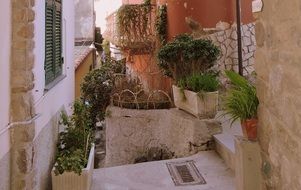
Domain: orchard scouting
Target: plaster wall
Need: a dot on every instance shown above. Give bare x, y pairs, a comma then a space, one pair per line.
145, 68
5, 39
49, 103
278, 34
81, 71
84, 19
207, 12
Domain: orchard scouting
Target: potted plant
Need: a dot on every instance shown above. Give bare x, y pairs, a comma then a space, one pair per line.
187, 59
241, 103
198, 95
75, 155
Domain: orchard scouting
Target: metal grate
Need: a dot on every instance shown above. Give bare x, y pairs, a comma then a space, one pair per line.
185, 173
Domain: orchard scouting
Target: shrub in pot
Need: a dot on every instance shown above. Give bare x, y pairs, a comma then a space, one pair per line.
75, 155
198, 95
184, 59
241, 103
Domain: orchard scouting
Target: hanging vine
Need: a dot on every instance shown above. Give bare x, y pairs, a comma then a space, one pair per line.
161, 24
133, 24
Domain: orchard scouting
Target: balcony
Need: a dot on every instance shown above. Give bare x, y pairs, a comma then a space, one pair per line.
132, 27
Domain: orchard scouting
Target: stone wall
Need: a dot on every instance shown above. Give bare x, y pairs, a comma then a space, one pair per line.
278, 34
227, 41
130, 133
21, 106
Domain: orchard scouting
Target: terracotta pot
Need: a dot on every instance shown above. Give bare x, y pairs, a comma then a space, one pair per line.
249, 128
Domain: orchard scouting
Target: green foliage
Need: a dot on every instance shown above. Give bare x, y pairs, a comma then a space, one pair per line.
241, 101
96, 92
106, 48
98, 39
133, 21
161, 24
207, 82
75, 141
185, 56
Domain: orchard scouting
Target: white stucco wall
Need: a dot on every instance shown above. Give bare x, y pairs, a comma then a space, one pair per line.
62, 94
5, 39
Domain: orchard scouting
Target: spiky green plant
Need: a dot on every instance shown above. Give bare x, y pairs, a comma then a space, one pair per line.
241, 101
206, 82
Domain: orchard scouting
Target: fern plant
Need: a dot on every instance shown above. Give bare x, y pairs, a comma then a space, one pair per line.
241, 102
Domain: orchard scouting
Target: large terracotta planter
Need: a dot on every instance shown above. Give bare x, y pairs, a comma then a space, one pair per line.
73, 181
203, 105
249, 128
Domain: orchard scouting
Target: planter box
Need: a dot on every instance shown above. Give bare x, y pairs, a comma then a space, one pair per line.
200, 105
73, 181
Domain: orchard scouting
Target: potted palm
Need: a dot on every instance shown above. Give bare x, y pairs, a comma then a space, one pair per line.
188, 61
75, 155
241, 103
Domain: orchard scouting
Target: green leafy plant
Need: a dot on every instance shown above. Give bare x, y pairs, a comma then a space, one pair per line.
241, 101
206, 82
185, 56
96, 91
161, 24
75, 141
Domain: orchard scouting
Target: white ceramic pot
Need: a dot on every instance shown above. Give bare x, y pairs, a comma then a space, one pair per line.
73, 181
201, 105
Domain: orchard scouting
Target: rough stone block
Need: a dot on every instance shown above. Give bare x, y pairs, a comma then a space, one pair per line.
129, 133
248, 165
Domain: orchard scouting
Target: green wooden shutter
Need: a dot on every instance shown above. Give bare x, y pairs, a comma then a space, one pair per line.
49, 46
53, 40
58, 38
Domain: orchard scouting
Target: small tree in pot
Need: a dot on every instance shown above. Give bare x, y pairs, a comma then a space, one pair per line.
188, 61
241, 103
185, 56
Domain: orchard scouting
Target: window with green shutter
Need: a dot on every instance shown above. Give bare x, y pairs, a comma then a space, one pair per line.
53, 40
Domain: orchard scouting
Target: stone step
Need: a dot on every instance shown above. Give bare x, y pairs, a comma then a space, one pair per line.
224, 146
225, 142
156, 175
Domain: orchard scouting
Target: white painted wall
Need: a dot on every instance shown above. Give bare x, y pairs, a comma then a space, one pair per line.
5, 39
62, 94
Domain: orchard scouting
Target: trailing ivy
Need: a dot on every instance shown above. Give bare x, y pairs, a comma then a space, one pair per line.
133, 22
161, 24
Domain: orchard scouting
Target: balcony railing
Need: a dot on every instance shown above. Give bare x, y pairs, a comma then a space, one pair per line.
132, 27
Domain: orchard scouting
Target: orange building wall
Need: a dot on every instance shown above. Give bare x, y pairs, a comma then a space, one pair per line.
149, 73
81, 71
207, 12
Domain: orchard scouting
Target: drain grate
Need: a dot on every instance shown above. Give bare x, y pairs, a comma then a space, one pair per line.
185, 173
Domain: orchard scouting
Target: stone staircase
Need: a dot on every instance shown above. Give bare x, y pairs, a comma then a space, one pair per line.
225, 145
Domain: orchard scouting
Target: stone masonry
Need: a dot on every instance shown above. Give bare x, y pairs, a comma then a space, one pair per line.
130, 133
227, 41
278, 36
21, 107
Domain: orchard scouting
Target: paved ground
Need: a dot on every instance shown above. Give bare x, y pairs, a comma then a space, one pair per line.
155, 175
